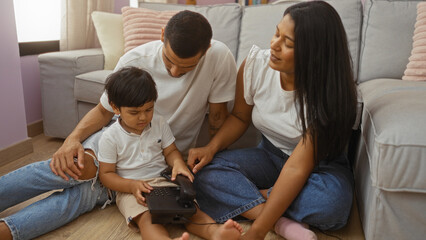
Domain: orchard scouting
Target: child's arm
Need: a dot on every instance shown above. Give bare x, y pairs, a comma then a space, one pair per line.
113, 181
175, 160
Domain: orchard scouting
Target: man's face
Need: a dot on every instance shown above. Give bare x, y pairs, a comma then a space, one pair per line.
176, 66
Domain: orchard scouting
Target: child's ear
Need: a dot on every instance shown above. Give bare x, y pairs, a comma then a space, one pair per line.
115, 108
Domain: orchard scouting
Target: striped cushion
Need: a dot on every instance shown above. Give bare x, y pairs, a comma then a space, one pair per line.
141, 25
416, 67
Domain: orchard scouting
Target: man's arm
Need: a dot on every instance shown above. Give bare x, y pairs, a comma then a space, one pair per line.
218, 112
63, 159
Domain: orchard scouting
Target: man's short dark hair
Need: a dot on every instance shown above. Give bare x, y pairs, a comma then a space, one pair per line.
130, 87
188, 34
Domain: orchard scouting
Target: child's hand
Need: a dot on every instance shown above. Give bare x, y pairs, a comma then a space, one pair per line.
138, 187
181, 168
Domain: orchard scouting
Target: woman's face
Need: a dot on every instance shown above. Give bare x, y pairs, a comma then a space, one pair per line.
282, 46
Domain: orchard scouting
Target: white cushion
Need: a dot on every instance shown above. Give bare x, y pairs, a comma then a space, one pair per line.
109, 29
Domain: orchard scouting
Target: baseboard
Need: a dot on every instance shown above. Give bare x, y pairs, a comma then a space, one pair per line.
35, 128
16, 151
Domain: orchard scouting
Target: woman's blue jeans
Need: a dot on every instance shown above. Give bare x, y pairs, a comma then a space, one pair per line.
54, 211
230, 184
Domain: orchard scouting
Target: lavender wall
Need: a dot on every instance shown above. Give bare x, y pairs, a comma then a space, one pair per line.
30, 73
119, 4
13, 127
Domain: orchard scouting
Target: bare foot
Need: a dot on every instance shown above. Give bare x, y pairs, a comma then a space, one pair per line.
185, 236
229, 230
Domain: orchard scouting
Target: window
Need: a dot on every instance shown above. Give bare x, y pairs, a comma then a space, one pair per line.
38, 24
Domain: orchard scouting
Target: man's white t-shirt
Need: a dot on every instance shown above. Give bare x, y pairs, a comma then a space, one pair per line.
274, 110
183, 101
136, 156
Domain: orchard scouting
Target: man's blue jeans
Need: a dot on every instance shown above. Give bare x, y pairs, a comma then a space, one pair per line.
54, 211
230, 184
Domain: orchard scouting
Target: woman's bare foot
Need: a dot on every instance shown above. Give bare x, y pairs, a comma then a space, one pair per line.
229, 230
185, 236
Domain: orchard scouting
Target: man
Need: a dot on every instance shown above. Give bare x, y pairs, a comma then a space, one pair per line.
193, 74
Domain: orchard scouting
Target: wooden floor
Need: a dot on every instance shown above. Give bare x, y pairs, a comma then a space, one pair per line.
109, 224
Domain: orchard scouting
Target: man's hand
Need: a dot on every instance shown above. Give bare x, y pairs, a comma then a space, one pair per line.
199, 157
138, 187
63, 160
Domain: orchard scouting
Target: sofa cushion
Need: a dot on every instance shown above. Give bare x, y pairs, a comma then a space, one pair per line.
109, 29
88, 87
416, 68
395, 134
387, 38
266, 17
225, 20
141, 25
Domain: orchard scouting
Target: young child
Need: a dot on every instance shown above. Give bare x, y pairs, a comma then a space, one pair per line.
136, 149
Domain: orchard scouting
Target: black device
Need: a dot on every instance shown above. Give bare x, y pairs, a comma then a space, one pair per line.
172, 204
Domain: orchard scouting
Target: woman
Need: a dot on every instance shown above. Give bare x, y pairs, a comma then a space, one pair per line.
301, 95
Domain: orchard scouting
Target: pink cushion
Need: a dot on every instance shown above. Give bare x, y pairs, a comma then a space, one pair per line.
416, 68
141, 25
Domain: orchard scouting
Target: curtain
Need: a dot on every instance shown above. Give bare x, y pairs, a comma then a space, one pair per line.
77, 29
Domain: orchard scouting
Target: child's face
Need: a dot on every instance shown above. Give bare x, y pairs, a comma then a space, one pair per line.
135, 119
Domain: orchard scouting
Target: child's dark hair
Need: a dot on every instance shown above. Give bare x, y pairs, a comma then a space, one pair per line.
130, 87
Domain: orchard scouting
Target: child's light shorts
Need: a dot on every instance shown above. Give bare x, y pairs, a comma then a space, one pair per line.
130, 208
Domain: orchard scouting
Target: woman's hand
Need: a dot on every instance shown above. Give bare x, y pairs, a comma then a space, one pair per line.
199, 157
138, 187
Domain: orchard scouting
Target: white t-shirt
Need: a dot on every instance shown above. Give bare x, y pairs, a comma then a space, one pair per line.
274, 111
183, 101
136, 156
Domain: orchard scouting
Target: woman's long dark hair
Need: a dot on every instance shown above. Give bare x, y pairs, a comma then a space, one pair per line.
324, 81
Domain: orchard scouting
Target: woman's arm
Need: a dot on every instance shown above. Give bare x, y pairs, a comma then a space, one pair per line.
113, 181
290, 182
234, 126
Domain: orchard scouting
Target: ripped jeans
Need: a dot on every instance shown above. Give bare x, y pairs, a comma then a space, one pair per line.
60, 208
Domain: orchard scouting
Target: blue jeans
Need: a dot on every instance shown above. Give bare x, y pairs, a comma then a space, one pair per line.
54, 211
230, 184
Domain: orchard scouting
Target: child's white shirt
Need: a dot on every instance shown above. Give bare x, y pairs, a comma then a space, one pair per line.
136, 156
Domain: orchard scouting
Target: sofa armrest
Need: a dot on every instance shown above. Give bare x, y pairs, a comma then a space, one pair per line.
57, 74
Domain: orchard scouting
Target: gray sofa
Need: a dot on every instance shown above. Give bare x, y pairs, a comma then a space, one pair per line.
390, 155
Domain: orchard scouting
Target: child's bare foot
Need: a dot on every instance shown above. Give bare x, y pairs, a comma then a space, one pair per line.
185, 236
229, 230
